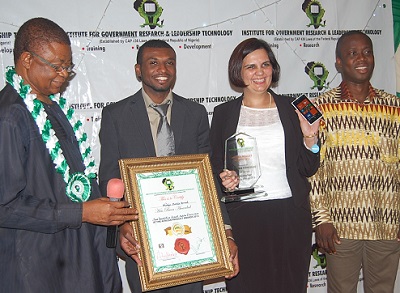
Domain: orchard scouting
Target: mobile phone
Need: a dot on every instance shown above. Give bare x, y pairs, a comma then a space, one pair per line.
307, 109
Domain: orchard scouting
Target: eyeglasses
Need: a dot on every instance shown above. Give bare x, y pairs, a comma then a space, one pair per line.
57, 68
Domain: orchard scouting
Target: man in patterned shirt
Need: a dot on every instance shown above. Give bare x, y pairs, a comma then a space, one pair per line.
355, 196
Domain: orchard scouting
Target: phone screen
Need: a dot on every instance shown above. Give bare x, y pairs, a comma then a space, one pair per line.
307, 109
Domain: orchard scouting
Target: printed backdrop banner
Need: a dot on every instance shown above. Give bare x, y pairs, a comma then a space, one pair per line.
106, 35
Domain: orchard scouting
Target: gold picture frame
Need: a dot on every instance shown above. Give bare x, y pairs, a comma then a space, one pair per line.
180, 227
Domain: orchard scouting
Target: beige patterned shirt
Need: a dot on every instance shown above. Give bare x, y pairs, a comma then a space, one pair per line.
357, 186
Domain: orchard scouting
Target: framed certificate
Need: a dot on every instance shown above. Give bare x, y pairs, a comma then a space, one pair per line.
180, 227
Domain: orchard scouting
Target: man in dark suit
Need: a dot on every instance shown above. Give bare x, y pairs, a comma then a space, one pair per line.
129, 130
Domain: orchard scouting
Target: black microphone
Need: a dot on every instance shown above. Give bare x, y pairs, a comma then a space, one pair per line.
115, 192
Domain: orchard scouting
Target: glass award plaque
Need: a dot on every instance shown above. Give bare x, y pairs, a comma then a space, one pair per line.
241, 156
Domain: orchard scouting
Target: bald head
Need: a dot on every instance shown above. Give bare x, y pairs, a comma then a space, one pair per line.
345, 37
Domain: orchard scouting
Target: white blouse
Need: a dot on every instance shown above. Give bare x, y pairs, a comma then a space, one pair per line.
265, 125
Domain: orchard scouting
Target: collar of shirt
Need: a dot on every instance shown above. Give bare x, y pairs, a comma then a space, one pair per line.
346, 95
148, 101
154, 117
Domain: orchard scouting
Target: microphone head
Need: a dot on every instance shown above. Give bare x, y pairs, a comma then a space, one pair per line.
115, 188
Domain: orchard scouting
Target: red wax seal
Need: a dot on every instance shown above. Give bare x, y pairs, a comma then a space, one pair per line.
182, 245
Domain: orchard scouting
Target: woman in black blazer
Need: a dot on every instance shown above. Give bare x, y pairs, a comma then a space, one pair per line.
273, 231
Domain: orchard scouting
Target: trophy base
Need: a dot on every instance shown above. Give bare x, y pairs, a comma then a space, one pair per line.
241, 194
240, 191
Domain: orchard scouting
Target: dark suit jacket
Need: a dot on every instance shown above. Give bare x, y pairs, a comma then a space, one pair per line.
125, 133
300, 162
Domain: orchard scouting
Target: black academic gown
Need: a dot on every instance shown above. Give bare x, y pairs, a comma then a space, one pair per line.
44, 245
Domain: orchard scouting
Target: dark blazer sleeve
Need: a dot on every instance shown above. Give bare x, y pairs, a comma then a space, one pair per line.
223, 125
109, 154
300, 162
203, 140
125, 133
189, 122
216, 141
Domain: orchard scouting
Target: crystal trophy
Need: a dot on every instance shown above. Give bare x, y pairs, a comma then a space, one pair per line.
241, 156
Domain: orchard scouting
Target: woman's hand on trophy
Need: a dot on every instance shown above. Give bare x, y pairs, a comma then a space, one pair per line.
230, 180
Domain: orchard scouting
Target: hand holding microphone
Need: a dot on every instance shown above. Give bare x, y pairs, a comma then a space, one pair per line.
115, 192
115, 189
111, 211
